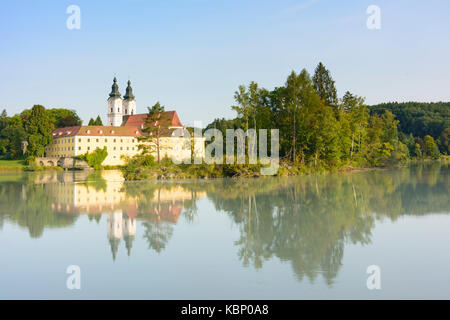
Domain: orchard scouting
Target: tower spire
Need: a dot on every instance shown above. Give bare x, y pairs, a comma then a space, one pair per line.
129, 92
114, 89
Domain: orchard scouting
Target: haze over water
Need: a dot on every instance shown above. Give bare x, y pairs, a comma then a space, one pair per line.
267, 238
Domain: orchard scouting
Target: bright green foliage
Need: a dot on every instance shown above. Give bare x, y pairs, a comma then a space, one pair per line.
318, 130
418, 118
11, 136
32, 125
96, 122
95, 158
38, 127
153, 130
248, 102
324, 85
61, 117
431, 148
417, 151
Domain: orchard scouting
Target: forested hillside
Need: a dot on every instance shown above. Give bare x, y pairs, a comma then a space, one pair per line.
418, 118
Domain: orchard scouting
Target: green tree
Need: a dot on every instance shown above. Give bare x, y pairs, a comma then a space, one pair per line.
98, 121
61, 117
153, 130
38, 127
445, 141
95, 158
324, 85
12, 134
431, 148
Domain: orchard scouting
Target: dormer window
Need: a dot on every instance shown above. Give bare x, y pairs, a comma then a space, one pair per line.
88, 131
100, 131
112, 131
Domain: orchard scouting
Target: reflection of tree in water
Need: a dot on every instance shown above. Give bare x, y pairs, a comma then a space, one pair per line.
308, 220
160, 215
157, 234
29, 205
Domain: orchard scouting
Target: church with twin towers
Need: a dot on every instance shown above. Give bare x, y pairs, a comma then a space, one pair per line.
123, 134
118, 107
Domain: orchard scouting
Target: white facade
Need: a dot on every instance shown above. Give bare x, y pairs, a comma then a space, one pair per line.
115, 111
129, 107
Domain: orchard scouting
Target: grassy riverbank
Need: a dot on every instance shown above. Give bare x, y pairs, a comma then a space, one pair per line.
12, 165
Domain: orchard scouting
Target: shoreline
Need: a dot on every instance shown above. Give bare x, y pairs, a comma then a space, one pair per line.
181, 174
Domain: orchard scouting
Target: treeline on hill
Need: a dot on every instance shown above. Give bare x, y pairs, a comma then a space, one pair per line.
318, 129
34, 125
419, 119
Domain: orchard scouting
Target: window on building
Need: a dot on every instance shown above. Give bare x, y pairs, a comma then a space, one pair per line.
79, 140
89, 140
79, 148
88, 148
96, 140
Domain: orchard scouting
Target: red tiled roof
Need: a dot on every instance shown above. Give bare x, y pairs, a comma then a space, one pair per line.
96, 131
170, 119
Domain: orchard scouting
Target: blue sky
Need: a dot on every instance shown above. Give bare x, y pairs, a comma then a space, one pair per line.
192, 55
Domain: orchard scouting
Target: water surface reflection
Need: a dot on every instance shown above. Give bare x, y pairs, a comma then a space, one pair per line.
306, 221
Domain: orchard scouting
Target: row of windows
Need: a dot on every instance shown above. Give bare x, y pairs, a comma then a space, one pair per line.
60, 141
114, 148
106, 140
88, 148
118, 110
61, 149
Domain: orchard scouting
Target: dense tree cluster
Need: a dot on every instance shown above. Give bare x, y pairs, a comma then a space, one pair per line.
96, 122
421, 119
34, 126
319, 129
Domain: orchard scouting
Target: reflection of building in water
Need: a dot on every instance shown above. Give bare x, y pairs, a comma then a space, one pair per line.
120, 226
105, 193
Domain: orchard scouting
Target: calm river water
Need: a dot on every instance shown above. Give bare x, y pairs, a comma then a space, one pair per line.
268, 238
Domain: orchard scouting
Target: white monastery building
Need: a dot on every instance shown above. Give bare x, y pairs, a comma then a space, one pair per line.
120, 136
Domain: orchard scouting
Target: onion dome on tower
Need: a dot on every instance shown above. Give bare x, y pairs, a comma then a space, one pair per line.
114, 89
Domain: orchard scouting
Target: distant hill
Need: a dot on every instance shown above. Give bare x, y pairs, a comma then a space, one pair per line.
418, 118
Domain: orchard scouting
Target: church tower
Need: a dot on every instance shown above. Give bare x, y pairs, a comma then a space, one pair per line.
115, 106
129, 103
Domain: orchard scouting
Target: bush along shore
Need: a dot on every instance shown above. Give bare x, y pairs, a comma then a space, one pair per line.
145, 167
